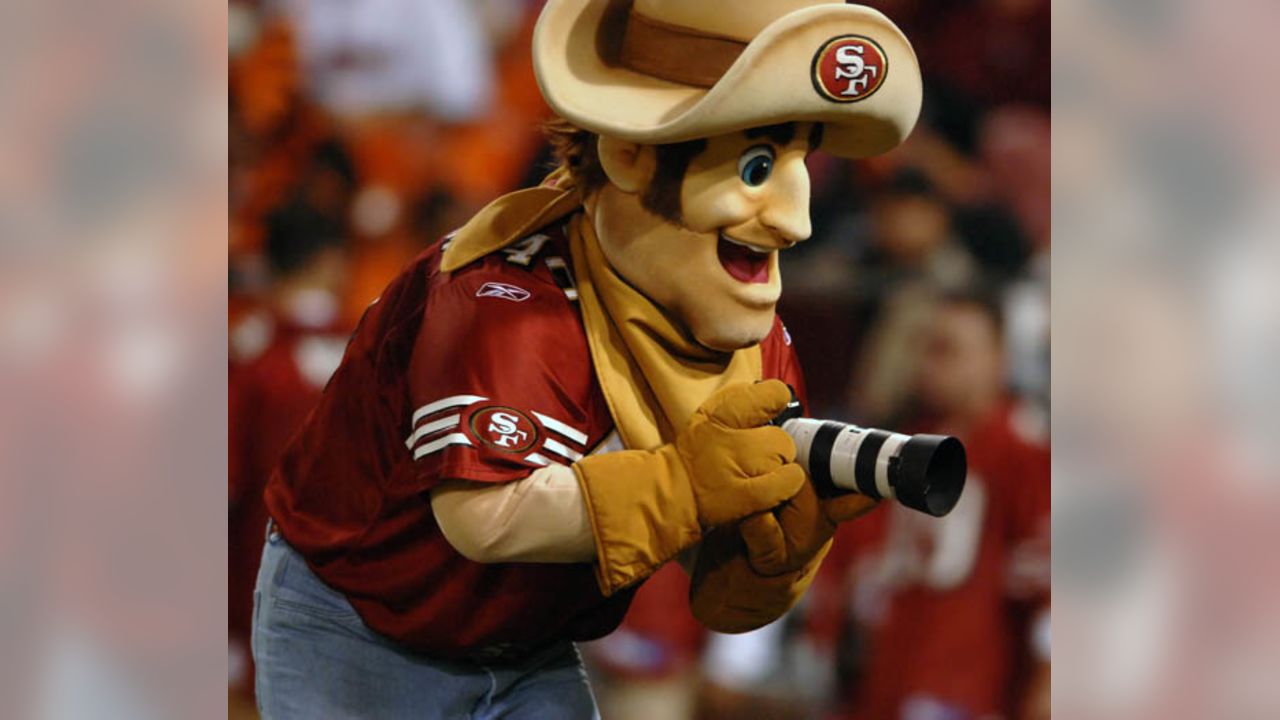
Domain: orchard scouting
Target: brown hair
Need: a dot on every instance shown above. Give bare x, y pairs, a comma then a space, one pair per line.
575, 150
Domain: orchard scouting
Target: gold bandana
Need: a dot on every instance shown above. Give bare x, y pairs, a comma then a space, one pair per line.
653, 374
511, 217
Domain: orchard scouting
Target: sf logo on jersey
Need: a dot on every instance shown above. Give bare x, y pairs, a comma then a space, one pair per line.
504, 428
849, 68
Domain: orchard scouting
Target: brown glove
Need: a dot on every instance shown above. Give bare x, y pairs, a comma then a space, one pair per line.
785, 539
728, 596
748, 579
647, 506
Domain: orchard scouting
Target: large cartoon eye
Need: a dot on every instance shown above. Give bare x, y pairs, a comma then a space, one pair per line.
756, 165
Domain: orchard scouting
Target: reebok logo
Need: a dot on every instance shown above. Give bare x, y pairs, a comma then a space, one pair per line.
504, 291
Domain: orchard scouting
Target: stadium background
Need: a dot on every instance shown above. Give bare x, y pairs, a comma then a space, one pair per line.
359, 133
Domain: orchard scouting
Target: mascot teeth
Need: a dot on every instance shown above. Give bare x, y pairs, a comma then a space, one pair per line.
749, 246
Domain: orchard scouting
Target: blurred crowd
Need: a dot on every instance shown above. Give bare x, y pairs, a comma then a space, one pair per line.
362, 132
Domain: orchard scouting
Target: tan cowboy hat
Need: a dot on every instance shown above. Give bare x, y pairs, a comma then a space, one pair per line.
660, 71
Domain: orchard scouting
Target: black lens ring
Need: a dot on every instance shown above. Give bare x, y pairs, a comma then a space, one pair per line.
864, 466
820, 459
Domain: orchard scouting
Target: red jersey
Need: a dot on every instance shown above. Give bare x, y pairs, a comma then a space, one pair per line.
946, 600
483, 374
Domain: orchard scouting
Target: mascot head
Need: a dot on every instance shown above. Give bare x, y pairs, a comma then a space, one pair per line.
686, 126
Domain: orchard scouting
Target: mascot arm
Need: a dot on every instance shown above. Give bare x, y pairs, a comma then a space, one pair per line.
541, 518
633, 510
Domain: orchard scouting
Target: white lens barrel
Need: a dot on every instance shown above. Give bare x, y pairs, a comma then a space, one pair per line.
844, 458
802, 431
923, 472
847, 457
890, 449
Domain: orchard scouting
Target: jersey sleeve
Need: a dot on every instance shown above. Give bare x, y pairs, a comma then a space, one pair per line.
779, 361
496, 379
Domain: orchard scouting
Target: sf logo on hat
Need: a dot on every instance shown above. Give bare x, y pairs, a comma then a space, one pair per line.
849, 68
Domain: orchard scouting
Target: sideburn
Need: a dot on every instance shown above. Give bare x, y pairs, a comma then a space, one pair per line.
662, 197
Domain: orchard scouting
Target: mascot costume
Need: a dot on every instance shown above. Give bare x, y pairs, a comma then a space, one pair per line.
576, 386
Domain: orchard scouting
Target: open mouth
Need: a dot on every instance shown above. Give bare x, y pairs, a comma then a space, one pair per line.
745, 263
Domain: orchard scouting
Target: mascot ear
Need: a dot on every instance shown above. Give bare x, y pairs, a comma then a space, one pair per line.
629, 165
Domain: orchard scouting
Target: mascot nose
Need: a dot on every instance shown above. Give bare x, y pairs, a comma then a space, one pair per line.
786, 209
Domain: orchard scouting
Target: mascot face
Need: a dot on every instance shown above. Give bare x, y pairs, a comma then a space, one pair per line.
712, 260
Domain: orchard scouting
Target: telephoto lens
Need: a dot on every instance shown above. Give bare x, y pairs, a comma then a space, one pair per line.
923, 472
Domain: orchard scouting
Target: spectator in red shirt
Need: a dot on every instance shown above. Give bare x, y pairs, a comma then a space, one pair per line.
282, 358
954, 611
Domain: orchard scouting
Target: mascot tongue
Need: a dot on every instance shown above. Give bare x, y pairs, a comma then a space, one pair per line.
743, 263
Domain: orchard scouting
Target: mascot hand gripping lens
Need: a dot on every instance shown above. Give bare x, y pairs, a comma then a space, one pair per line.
578, 385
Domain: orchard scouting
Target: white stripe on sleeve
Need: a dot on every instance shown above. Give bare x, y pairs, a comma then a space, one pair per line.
556, 426
444, 404
434, 426
440, 443
562, 450
537, 459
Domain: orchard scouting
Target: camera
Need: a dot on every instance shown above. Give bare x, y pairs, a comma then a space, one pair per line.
923, 472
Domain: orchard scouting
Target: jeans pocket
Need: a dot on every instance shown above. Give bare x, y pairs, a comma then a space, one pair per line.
298, 589
324, 612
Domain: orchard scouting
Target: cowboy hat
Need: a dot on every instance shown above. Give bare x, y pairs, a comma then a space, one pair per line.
661, 71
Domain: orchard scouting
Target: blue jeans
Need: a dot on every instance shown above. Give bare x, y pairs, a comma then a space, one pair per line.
316, 660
